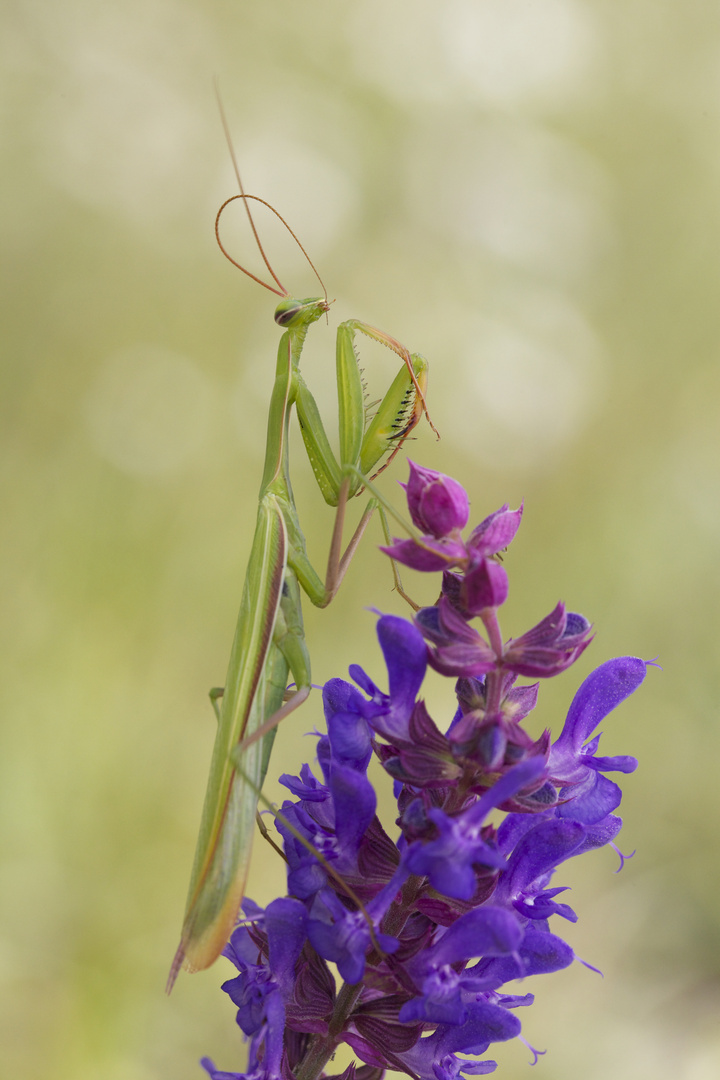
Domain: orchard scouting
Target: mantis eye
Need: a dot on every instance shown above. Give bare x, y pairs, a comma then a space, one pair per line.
286, 312
293, 312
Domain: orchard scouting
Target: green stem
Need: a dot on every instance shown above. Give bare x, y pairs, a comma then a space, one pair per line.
398, 913
322, 1048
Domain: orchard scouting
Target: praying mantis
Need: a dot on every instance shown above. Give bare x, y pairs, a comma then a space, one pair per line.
269, 645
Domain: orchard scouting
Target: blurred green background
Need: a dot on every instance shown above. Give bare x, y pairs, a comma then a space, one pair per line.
524, 190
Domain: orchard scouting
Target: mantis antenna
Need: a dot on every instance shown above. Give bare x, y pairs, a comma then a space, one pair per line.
281, 290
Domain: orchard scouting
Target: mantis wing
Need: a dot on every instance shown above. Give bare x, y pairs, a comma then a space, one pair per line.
228, 820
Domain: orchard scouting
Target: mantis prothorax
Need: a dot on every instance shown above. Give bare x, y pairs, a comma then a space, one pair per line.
269, 646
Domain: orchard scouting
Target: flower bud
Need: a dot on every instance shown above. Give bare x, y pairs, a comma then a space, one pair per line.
484, 585
496, 531
438, 504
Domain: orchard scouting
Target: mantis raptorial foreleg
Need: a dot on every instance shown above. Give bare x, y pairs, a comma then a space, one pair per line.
269, 647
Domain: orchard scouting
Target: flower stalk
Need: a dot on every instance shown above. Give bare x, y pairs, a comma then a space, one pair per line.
320, 1050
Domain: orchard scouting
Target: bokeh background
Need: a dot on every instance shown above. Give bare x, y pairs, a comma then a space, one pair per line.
527, 191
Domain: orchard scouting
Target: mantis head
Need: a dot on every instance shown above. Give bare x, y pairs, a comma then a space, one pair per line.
295, 313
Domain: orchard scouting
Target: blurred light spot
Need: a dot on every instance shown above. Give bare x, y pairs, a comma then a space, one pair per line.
533, 391
501, 51
119, 133
692, 466
396, 47
515, 51
29, 617
530, 382
149, 410
695, 473
127, 1069
703, 1061
250, 399
526, 196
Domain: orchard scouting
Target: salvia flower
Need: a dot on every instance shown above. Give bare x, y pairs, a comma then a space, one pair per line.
427, 929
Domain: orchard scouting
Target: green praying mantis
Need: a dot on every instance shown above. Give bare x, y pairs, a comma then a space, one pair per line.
269, 645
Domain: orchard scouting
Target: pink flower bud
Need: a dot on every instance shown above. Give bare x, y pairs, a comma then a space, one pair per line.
485, 585
496, 531
438, 504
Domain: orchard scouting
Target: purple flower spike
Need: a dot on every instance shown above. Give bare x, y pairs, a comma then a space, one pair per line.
430, 926
438, 505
